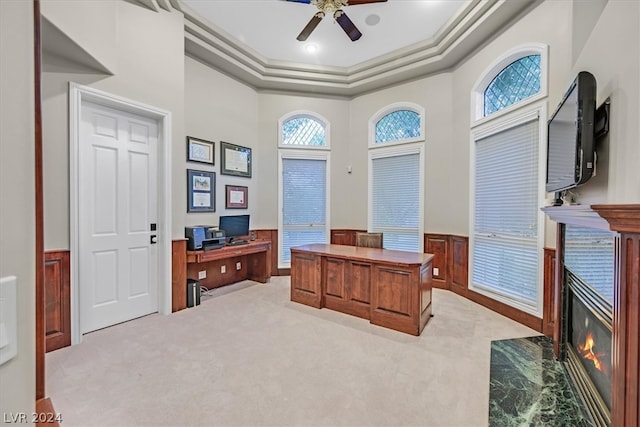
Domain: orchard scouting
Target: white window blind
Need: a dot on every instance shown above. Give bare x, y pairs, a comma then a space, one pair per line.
304, 198
395, 204
505, 254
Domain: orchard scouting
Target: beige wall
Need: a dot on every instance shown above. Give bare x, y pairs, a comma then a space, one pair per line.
149, 69
612, 55
434, 94
210, 105
271, 108
17, 209
218, 108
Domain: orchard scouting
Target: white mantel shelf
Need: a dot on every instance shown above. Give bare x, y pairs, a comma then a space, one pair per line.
620, 218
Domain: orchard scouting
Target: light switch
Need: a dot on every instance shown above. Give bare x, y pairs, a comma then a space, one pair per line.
8, 319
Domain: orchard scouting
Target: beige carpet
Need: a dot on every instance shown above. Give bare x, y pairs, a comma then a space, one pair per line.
247, 356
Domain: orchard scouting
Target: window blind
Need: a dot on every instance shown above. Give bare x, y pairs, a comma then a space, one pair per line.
304, 204
395, 204
505, 255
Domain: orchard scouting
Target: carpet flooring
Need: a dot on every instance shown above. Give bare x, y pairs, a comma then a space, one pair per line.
247, 356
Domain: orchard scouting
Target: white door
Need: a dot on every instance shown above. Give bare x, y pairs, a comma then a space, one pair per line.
117, 186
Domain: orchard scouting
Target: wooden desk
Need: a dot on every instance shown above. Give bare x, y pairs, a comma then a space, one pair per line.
390, 288
253, 259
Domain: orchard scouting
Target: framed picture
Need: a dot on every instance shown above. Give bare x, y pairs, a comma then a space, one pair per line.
199, 150
201, 191
236, 197
236, 160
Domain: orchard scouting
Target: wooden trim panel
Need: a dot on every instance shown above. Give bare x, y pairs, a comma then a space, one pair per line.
57, 313
345, 236
46, 415
459, 263
178, 275
39, 205
549, 281
438, 245
626, 336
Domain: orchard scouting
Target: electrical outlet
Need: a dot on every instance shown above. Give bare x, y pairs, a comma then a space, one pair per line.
238, 266
202, 274
436, 271
223, 269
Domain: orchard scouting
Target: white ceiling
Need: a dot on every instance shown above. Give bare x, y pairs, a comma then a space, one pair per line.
255, 40
270, 27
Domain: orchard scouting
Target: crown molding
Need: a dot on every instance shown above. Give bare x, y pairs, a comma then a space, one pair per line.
479, 22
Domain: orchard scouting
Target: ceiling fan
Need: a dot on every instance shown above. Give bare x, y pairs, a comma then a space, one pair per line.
333, 7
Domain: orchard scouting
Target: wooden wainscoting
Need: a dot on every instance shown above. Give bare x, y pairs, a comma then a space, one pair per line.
459, 263
548, 300
57, 298
438, 245
178, 275
273, 236
344, 236
452, 259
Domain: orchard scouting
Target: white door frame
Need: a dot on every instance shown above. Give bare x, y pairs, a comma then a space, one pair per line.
77, 95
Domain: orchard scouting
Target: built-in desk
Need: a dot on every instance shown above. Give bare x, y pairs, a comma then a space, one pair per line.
390, 288
222, 266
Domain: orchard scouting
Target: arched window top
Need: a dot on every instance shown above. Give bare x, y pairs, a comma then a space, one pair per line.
517, 81
303, 130
517, 78
397, 123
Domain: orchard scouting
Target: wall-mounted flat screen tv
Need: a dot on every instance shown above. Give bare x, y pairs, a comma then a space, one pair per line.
571, 136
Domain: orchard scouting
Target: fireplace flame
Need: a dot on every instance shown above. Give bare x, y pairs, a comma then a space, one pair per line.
586, 351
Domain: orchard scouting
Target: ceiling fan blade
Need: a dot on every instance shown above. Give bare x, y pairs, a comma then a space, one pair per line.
305, 1
308, 29
347, 25
357, 2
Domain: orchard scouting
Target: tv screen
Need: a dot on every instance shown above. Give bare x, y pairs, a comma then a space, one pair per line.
570, 136
234, 225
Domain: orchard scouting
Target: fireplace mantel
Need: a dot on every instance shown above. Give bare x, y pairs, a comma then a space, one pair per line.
625, 220
620, 218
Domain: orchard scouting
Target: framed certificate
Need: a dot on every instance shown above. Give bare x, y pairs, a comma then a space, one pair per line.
236, 197
201, 191
199, 150
236, 160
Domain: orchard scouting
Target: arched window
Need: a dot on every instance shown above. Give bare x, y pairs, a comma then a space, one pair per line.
517, 81
398, 126
303, 182
303, 129
396, 176
517, 78
397, 123
507, 172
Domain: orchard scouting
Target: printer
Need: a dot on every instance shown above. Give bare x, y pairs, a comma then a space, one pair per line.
204, 237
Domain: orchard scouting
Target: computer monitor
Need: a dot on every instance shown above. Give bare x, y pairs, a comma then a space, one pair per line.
234, 226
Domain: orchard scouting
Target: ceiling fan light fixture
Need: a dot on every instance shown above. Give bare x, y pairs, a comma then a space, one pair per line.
311, 48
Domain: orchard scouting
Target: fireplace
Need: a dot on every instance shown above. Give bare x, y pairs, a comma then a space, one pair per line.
588, 260
589, 347
585, 318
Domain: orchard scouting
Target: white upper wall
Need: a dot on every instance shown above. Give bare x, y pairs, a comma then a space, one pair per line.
205, 103
150, 69
17, 186
218, 108
271, 108
612, 55
435, 95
